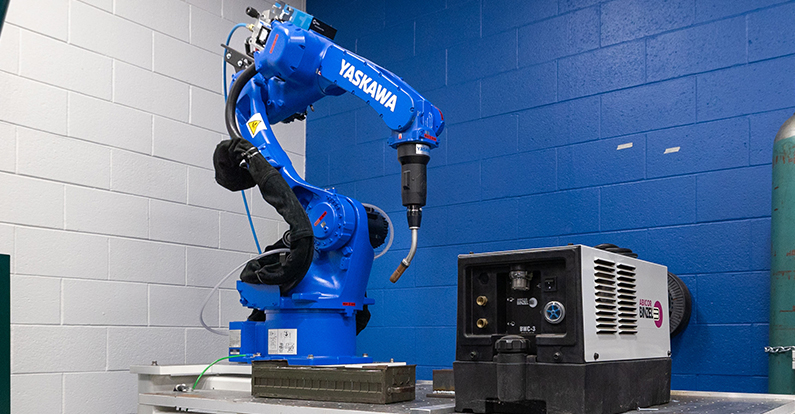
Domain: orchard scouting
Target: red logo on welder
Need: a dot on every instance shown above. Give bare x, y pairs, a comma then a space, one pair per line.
658, 314
648, 311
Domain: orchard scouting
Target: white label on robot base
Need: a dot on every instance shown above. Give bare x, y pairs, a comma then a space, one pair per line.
282, 341
234, 339
255, 124
423, 149
374, 89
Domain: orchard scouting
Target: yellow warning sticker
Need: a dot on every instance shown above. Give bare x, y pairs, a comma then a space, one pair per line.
252, 126
255, 124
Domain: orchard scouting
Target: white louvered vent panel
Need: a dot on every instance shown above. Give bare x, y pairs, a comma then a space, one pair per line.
606, 305
626, 290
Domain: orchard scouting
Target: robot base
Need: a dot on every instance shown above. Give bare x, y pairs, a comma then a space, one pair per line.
300, 337
557, 388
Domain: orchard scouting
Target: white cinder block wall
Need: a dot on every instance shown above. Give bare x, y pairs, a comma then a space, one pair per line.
109, 114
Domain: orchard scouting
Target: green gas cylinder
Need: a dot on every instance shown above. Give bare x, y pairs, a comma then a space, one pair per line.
781, 375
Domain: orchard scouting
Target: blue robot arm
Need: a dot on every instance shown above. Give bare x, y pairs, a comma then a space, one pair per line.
291, 67
297, 60
296, 67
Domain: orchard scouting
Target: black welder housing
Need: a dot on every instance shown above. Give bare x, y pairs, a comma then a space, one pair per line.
510, 359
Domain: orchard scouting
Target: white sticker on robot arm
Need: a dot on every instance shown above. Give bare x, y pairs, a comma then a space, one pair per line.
255, 124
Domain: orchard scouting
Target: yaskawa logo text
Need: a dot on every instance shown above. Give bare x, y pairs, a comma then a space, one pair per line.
368, 85
649, 311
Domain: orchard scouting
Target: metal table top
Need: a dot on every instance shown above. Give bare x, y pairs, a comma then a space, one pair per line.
724, 402
223, 401
228, 391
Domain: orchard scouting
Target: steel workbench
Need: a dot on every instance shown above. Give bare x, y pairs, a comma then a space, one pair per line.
226, 389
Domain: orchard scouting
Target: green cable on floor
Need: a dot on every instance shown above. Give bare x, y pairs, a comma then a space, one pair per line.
217, 361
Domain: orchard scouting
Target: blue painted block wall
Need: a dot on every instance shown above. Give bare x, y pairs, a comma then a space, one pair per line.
538, 97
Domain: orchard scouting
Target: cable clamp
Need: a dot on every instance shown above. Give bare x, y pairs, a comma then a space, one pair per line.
247, 156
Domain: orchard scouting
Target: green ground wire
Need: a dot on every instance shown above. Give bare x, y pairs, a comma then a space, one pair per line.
216, 361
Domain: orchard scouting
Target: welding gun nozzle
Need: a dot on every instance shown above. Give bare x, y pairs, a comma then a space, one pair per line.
399, 272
